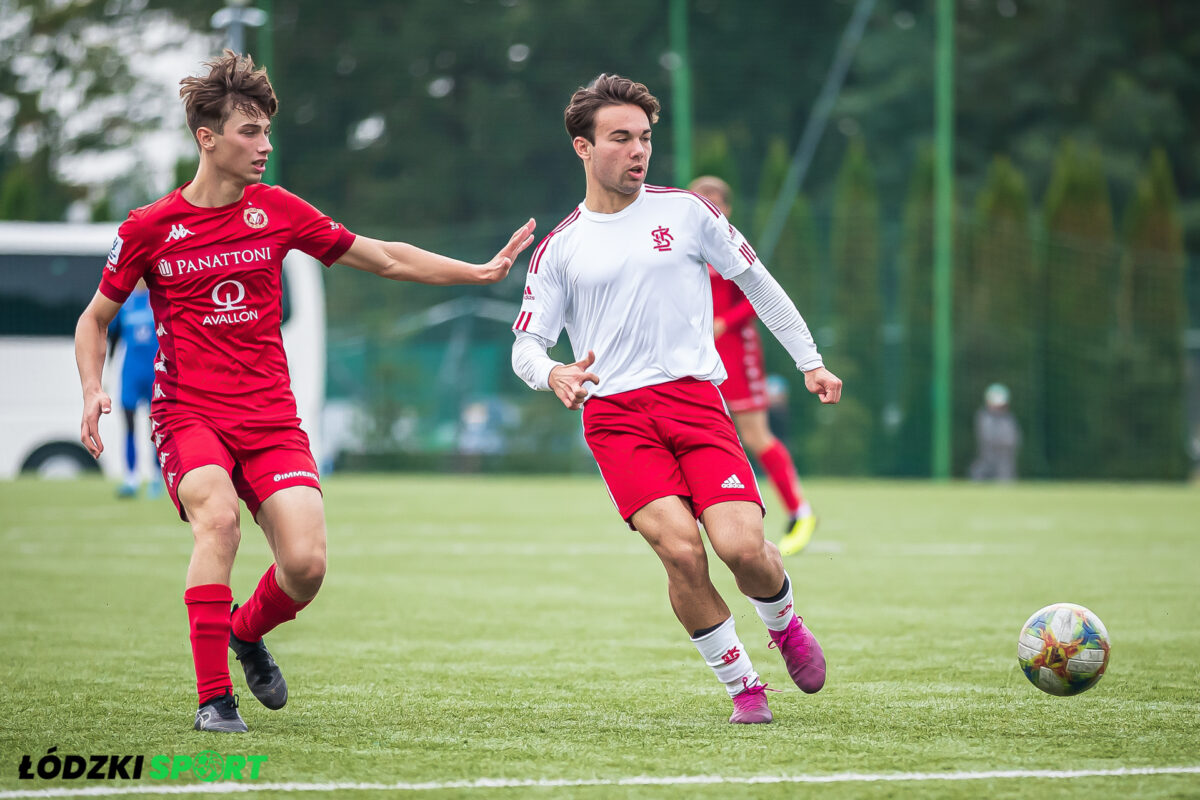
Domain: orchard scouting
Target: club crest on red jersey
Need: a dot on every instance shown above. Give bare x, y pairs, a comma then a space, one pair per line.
662, 238
255, 217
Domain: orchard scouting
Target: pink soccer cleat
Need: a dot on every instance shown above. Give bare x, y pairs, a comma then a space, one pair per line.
750, 705
802, 654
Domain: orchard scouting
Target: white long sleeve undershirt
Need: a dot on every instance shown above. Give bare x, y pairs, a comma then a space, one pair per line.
530, 362
779, 314
776, 310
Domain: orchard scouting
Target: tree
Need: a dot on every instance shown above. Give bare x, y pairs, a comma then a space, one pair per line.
714, 157
81, 84
915, 438
847, 439
436, 122
1152, 315
802, 272
996, 314
1081, 279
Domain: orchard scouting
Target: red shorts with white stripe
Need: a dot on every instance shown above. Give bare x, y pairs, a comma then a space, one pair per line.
260, 461
671, 439
746, 387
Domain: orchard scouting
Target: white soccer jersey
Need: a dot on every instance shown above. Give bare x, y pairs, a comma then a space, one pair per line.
633, 287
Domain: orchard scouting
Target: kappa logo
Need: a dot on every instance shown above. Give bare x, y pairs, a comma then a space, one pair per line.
162, 458
255, 217
732, 482
160, 365
170, 479
177, 232
786, 609
158, 437
662, 238
731, 655
160, 330
158, 392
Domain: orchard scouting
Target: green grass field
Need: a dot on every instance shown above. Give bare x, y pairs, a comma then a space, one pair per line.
514, 629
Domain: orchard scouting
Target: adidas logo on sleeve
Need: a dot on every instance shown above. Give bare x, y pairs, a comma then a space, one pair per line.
732, 482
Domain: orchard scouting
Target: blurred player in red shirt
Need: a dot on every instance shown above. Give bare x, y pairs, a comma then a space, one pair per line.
745, 390
223, 416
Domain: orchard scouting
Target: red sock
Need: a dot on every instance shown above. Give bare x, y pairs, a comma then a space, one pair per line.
208, 618
778, 463
266, 609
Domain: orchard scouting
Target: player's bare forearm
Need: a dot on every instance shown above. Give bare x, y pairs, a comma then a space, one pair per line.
410, 263
91, 337
401, 261
91, 340
90, 350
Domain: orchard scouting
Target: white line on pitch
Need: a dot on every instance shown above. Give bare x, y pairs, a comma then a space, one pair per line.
230, 787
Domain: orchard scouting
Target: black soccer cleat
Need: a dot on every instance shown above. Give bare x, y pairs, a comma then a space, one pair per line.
263, 675
220, 715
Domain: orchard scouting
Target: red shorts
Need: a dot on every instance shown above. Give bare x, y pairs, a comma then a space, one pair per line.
746, 387
671, 439
260, 460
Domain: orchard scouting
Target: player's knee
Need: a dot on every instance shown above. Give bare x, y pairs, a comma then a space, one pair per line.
685, 560
218, 527
312, 572
758, 442
222, 544
305, 574
748, 553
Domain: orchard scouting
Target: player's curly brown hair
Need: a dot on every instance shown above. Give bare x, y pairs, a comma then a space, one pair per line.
606, 90
232, 83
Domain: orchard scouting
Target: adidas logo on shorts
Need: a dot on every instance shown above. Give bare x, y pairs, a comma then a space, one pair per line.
732, 482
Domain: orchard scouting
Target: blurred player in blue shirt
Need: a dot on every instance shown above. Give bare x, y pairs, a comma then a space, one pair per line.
134, 324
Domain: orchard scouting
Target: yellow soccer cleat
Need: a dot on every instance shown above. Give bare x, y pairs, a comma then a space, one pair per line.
798, 534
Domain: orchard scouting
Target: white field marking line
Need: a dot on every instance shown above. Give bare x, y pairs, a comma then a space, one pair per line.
230, 787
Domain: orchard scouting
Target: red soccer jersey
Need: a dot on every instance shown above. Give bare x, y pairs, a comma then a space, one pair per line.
215, 278
730, 305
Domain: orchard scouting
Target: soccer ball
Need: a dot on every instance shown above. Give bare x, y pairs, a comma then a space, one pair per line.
1063, 649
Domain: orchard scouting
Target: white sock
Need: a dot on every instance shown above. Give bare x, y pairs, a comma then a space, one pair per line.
727, 657
777, 615
805, 510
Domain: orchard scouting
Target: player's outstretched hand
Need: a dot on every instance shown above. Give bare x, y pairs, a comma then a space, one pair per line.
94, 405
824, 384
497, 269
567, 381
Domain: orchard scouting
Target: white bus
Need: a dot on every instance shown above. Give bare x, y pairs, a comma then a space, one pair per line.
48, 274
